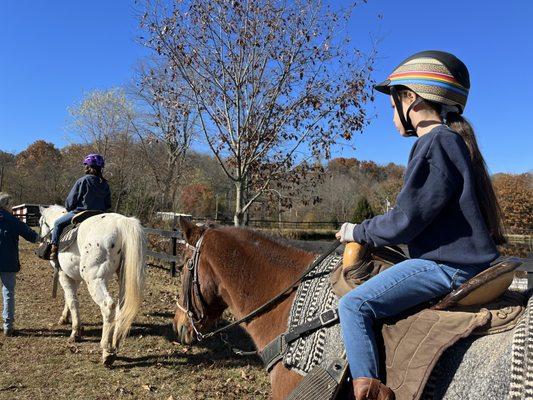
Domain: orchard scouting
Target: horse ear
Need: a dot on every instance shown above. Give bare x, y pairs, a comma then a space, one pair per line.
188, 228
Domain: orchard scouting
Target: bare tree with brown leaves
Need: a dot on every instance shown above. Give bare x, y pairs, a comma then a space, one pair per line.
272, 82
167, 118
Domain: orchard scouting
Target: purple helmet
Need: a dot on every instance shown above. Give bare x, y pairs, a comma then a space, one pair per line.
94, 160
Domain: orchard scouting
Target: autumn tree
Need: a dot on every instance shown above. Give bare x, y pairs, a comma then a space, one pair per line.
348, 179
39, 172
273, 83
342, 166
515, 195
72, 157
7, 166
198, 199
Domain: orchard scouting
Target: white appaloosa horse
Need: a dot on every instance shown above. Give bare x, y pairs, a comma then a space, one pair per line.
104, 244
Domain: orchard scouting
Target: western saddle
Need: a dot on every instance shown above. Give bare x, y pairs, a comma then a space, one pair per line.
483, 288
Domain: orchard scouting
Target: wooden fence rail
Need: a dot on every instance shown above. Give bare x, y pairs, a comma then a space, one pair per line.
172, 258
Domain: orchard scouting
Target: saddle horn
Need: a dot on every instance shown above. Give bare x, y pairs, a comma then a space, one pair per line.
353, 252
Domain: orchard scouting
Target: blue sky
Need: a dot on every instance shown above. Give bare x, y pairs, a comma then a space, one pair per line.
52, 52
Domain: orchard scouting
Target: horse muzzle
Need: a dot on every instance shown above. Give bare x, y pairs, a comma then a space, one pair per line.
184, 333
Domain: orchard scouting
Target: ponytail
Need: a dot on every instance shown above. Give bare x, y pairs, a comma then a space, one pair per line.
488, 202
96, 171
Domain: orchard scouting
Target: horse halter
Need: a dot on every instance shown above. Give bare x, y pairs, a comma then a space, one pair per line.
193, 303
41, 230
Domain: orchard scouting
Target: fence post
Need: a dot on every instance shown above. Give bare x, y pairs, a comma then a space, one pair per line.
174, 248
527, 267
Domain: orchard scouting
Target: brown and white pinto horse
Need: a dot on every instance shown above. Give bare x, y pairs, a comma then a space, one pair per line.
241, 270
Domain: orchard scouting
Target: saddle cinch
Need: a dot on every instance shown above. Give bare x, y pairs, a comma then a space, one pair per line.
69, 234
480, 306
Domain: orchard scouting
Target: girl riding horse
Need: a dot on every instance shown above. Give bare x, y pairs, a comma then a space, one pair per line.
90, 192
447, 212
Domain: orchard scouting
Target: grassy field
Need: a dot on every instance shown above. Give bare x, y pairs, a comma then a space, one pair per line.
39, 363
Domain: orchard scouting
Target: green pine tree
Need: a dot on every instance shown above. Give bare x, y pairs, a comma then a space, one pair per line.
362, 211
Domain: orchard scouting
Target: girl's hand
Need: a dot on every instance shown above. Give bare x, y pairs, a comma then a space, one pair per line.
345, 234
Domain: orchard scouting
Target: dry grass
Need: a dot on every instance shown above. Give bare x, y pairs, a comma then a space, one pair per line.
39, 363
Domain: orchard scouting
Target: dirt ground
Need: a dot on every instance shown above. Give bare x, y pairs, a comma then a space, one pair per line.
39, 363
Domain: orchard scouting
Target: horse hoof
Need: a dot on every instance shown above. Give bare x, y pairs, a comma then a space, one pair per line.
109, 359
63, 321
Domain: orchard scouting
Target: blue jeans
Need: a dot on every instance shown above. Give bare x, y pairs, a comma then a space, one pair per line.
398, 288
60, 224
8, 293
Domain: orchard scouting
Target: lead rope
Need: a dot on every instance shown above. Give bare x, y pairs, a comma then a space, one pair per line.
243, 353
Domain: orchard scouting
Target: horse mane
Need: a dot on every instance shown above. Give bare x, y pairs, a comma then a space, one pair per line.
250, 233
53, 210
272, 248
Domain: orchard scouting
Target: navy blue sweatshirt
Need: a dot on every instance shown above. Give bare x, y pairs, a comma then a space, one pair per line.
89, 193
437, 213
10, 230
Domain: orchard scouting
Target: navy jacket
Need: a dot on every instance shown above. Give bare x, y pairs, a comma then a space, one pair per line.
89, 193
437, 213
10, 230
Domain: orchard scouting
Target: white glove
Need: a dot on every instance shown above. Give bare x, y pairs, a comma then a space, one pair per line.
345, 234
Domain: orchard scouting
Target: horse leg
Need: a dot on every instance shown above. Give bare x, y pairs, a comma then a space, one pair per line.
70, 287
98, 290
65, 315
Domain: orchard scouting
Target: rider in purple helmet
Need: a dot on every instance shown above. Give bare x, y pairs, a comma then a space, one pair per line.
90, 192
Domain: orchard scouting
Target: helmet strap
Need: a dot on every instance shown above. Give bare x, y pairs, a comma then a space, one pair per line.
405, 119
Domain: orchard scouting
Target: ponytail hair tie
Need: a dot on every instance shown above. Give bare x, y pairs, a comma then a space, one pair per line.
448, 109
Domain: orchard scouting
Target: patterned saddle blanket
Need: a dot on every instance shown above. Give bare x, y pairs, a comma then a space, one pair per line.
70, 233
436, 332
68, 237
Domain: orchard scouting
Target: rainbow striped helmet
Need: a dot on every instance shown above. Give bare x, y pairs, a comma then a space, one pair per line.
433, 75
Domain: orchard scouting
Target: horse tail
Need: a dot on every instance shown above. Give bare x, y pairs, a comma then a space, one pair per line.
133, 248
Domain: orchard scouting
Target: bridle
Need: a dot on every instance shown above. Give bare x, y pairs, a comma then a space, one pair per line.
194, 304
195, 309
43, 238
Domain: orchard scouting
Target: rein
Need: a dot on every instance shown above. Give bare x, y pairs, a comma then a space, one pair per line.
43, 238
193, 283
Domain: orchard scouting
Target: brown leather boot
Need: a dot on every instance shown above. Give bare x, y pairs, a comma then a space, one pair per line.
53, 252
371, 389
